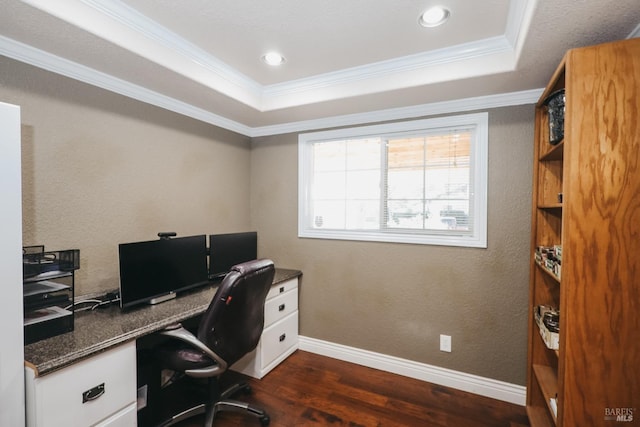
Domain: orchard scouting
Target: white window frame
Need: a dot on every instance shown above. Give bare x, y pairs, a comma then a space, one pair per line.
479, 159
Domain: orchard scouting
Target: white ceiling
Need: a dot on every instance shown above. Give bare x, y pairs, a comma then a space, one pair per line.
347, 61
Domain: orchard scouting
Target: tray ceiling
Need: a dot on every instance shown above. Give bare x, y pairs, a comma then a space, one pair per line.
346, 62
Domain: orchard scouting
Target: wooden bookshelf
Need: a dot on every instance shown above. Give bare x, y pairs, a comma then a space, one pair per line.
586, 198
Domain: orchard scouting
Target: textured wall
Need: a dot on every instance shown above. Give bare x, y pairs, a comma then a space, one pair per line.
100, 169
397, 299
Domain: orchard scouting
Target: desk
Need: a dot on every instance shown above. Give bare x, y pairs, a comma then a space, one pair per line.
110, 331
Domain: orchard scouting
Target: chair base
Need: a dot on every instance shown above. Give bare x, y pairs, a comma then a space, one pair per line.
222, 404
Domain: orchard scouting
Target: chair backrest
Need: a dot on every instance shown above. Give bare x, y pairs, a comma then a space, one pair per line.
233, 323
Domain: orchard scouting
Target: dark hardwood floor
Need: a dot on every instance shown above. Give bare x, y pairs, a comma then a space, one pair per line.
312, 390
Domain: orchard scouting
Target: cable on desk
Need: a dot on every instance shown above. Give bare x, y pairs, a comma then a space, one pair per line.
109, 298
86, 301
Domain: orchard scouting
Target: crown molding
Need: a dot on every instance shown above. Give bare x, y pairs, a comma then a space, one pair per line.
131, 18
124, 26
420, 61
58, 65
41, 59
403, 113
518, 23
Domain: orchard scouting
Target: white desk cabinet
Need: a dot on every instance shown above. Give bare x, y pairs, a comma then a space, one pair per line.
98, 391
280, 335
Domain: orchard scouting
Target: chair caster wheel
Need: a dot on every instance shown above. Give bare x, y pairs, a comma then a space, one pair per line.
265, 420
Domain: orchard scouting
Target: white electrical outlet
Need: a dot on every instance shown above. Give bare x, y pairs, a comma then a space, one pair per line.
445, 343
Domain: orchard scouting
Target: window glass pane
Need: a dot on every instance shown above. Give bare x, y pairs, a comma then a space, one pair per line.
405, 214
447, 183
363, 154
363, 215
329, 185
456, 213
439, 218
406, 152
405, 183
434, 170
329, 156
420, 181
328, 214
449, 150
363, 185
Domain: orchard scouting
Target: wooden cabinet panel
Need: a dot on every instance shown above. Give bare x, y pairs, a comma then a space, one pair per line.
596, 370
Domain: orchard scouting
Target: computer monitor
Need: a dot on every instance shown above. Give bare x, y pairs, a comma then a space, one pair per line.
227, 250
156, 270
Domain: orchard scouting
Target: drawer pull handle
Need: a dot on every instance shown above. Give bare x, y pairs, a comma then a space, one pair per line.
93, 394
283, 337
281, 289
281, 307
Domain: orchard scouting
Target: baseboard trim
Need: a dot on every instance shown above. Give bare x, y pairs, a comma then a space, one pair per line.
487, 387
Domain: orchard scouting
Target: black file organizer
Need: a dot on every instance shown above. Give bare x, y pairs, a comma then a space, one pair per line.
48, 290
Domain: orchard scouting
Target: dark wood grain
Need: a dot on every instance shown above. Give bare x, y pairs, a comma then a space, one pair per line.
312, 390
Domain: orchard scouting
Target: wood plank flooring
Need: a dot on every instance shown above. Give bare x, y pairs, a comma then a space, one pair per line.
312, 390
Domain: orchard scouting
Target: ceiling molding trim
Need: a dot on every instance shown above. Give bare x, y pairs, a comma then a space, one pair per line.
445, 107
123, 26
518, 23
130, 17
41, 59
445, 72
262, 97
462, 52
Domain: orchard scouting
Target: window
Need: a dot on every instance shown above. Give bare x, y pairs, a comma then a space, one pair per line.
422, 181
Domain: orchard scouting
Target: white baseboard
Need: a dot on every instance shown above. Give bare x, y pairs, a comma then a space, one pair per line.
487, 387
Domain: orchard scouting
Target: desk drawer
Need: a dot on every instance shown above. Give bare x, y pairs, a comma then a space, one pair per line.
280, 306
84, 393
278, 338
283, 287
277, 342
128, 417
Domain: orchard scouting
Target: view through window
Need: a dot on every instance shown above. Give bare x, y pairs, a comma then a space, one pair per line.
422, 185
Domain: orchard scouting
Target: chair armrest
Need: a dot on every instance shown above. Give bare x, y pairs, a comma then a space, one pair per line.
180, 333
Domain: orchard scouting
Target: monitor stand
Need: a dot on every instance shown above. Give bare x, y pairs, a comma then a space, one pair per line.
163, 298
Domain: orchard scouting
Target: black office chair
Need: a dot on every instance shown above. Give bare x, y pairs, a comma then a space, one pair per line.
229, 329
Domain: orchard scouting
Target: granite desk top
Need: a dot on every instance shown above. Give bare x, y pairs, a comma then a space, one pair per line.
98, 330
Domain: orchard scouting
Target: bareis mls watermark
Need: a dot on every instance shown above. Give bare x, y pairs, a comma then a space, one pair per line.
619, 414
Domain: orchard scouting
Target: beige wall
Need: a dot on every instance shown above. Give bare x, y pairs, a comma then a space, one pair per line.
397, 299
100, 169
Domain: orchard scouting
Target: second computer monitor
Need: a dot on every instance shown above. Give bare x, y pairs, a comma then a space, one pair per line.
227, 250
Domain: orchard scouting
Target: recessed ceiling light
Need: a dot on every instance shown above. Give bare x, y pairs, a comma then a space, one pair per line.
273, 58
434, 16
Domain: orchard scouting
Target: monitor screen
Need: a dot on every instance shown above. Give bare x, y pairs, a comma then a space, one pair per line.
159, 268
227, 250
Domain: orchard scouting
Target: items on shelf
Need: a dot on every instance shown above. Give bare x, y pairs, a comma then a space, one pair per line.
550, 257
48, 288
555, 108
548, 320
